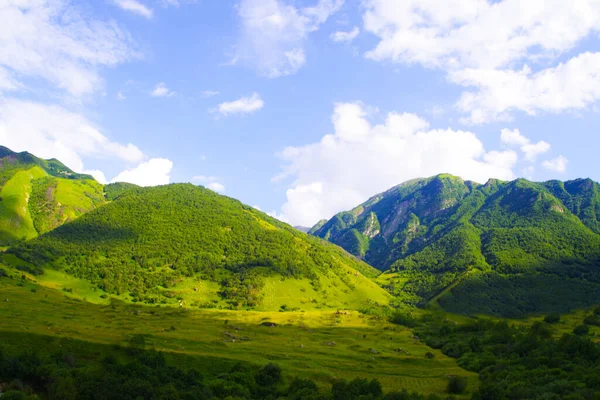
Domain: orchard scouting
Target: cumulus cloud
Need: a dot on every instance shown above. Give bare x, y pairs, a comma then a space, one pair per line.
343, 36
360, 158
558, 164
97, 174
135, 7
211, 182
54, 132
244, 105
216, 187
274, 31
513, 137
568, 86
52, 40
530, 150
488, 45
153, 172
161, 90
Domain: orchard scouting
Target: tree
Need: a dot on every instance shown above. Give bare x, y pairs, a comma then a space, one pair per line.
581, 330
457, 384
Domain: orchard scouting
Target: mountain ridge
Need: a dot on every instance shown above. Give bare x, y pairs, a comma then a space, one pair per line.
432, 231
179, 240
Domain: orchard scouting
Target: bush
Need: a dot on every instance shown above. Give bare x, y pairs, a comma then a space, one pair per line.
552, 318
32, 270
269, 375
592, 320
429, 355
457, 384
581, 330
403, 318
3, 273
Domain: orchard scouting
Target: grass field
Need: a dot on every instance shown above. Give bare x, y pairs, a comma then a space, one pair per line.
322, 344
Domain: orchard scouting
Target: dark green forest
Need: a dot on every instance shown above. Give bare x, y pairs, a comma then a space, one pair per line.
520, 362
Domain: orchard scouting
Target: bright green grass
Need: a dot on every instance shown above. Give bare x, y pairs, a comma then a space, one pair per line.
80, 196
301, 343
295, 294
15, 219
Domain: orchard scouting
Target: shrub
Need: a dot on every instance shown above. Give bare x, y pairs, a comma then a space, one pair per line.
403, 318
32, 270
429, 355
457, 384
3, 273
269, 375
552, 318
581, 330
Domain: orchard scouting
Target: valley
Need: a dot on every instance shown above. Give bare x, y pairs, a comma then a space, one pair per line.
437, 288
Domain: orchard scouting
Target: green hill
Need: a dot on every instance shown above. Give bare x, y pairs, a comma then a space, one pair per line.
185, 243
38, 195
500, 248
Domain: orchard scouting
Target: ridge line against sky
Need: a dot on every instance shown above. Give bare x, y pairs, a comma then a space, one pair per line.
305, 108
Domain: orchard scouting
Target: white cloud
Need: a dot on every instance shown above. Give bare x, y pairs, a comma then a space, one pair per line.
121, 96
153, 172
477, 33
135, 7
210, 93
161, 90
513, 137
488, 45
244, 105
177, 3
54, 132
359, 159
535, 149
210, 182
216, 187
97, 174
7, 81
342, 36
273, 33
569, 86
54, 41
531, 150
558, 164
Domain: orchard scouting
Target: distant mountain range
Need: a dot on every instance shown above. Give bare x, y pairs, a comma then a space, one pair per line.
473, 247
504, 248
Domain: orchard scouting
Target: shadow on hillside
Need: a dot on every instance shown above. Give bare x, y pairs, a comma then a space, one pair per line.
76, 233
516, 296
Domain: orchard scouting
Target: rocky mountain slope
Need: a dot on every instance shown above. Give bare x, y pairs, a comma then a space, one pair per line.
439, 235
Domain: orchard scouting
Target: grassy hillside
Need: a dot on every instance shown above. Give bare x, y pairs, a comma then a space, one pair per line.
477, 248
38, 195
182, 243
325, 346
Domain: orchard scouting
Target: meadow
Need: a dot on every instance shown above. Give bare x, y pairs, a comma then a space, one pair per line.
323, 345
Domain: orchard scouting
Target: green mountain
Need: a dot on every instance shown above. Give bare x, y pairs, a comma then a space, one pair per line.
187, 243
38, 195
502, 247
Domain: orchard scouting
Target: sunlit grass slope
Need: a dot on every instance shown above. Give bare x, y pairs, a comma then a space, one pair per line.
322, 345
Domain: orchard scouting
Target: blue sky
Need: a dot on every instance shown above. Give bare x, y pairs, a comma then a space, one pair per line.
303, 108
